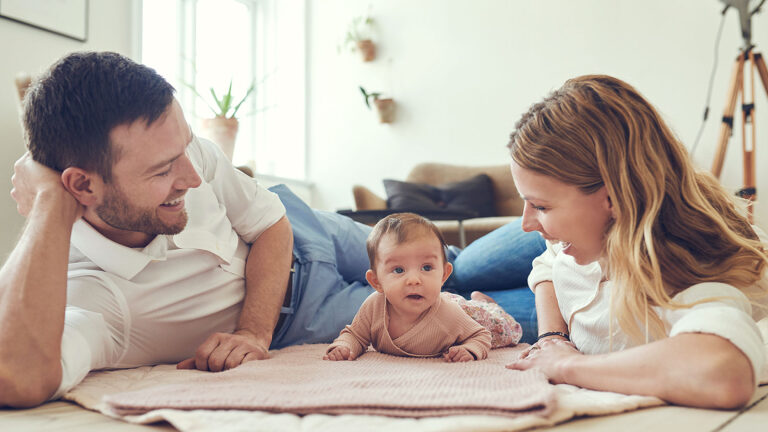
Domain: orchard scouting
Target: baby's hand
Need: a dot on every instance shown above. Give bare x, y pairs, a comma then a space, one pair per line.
339, 353
458, 354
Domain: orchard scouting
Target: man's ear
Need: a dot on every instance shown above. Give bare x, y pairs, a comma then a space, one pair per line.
84, 185
370, 276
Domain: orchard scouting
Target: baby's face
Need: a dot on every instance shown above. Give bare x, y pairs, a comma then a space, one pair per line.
411, 274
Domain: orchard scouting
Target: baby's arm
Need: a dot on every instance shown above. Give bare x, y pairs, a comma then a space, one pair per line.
339, 352
458, 353
473, 340
354, 338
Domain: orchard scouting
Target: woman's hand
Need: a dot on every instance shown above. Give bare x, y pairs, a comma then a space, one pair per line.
548, 355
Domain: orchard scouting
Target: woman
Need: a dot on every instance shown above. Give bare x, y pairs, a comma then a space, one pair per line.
651, 269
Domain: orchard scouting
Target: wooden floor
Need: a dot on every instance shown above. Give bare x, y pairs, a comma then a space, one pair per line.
65, 417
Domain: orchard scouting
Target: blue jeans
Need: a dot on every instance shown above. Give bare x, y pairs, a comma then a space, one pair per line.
330, 262
499, 264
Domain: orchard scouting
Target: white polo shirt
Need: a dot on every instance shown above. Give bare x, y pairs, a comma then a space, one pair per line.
128, 307
584, 300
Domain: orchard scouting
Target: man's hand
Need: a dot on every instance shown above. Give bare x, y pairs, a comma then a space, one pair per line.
222, 351
458, 354
339, 353
31, 179
548, 355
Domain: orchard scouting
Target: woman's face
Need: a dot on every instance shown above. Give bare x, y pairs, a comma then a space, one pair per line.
563, 213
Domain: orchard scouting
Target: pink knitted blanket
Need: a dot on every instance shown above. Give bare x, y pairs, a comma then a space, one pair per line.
296, 380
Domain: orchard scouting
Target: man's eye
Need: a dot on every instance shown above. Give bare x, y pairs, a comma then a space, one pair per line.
427, 267
398, 270
164, 173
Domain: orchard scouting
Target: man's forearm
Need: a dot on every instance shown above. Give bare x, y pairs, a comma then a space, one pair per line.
266, 279
32, 301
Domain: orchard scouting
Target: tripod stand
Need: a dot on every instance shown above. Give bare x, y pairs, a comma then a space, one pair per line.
755, 60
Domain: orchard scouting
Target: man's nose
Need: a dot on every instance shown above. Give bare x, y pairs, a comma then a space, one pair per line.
189, 179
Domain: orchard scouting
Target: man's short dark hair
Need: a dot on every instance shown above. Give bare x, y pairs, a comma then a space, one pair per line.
71, 109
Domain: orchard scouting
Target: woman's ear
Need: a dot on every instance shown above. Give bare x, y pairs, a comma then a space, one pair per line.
607, 202
447, 270
370, 276
85, 186
611, 208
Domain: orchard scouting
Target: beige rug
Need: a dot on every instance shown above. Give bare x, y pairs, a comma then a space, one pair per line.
570, 402
297, 380
500, 400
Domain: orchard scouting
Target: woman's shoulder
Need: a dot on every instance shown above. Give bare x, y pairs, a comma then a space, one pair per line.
722, 292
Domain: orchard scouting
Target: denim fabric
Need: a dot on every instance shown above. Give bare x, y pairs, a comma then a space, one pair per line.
499, 260
331, 260
498, 264
329, 281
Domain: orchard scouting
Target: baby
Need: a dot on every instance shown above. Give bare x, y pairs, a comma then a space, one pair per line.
408, 315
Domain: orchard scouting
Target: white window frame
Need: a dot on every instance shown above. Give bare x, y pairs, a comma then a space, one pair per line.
272, 21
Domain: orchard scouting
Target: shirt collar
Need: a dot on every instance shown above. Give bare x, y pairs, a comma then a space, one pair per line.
113, 257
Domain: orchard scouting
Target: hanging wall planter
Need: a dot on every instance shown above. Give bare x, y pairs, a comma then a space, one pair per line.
385, 107
367, 49
359, 37
386, 110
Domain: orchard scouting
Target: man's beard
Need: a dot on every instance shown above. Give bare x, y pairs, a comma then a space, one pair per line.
117, 212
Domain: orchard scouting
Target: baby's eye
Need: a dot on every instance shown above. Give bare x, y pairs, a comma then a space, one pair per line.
398, 270
427, 267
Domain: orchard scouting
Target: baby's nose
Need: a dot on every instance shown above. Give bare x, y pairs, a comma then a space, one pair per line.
414, 279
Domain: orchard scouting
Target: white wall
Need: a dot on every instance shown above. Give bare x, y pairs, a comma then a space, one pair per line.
463, 71
32, 50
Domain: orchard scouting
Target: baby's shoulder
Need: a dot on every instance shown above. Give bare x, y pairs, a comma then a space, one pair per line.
373, 300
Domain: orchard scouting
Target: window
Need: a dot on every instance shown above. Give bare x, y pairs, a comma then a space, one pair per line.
206, 44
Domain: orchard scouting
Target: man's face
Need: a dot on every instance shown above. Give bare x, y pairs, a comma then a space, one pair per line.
150, 178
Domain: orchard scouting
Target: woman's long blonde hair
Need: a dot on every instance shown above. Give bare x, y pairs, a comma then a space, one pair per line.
673, 227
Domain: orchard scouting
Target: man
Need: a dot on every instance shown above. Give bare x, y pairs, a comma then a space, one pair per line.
142, 242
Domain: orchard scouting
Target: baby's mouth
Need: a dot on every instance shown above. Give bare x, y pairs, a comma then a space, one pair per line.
415, 297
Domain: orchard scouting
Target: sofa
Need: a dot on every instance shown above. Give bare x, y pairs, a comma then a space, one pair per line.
507, 202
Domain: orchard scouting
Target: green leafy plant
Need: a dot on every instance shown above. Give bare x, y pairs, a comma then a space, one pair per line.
368, 96
359, 29
225, 105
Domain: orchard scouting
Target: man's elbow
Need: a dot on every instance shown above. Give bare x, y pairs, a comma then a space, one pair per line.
28, 389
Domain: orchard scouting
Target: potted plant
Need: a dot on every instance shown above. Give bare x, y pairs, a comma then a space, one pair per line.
358, 37
222, 128
385, 107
